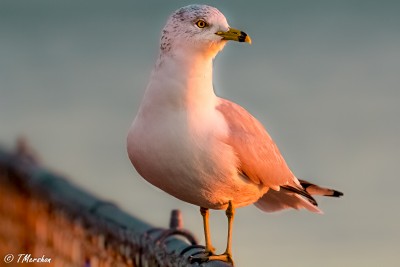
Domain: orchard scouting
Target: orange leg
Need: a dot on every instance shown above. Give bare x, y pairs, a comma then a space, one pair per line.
227, 255
206, 214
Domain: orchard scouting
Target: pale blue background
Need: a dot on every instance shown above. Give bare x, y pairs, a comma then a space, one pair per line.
322, 76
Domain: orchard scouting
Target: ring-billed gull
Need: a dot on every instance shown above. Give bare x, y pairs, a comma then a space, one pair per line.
201, 148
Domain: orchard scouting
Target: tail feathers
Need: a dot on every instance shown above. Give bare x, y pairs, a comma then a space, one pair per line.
316, 190
301, 192
284, 199
295, 197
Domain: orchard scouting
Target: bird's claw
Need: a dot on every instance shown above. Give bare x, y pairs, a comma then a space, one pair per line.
210, 256
210, 251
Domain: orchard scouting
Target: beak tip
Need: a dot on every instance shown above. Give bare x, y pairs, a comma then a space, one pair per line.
244, 37
248, 39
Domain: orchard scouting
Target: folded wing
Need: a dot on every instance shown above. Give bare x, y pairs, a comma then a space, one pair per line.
262, 163
259, 157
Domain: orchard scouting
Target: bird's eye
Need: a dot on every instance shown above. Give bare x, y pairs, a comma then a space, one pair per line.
201, 23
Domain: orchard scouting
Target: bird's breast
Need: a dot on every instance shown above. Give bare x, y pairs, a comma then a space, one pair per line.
175, 142
184, 154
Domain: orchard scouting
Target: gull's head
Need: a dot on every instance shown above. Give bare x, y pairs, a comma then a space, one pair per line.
199, 28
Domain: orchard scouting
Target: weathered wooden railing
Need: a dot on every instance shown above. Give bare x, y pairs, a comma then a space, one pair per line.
43, 216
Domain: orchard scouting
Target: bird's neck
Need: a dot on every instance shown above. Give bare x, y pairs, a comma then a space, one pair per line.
183, 78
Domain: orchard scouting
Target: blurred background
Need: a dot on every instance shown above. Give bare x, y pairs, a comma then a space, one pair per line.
322, 76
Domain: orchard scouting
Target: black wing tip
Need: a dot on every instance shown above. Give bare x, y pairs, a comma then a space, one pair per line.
332, 192
336, 194
303, 193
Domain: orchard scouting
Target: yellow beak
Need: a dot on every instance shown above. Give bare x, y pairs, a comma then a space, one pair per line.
234, 35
